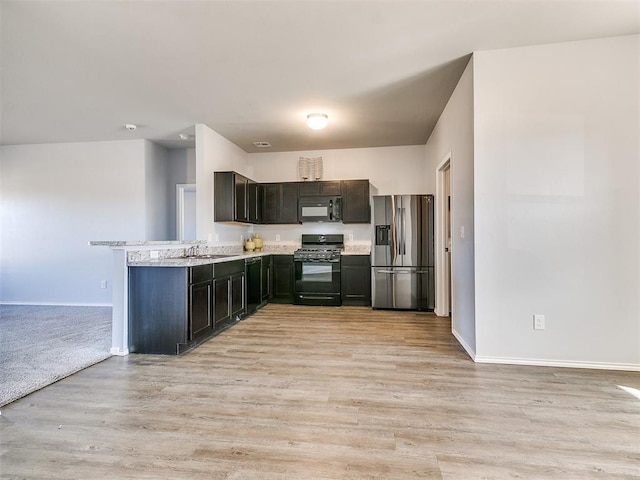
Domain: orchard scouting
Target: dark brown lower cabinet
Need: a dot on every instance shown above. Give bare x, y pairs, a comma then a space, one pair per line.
173, 309
229, 286
355, 280
170, 308
237, 295
283, 281
267, 278
222, 287
200, 308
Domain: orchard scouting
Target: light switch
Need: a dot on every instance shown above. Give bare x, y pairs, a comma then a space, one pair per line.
461, 231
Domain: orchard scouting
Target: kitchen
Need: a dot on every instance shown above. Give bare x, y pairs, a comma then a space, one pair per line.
354, 196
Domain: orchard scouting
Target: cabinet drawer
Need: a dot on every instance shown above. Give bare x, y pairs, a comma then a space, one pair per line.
356, 260
201, 273
224, 269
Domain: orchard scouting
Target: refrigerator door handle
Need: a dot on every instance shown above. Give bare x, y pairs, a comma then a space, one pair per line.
396, 233
403, 222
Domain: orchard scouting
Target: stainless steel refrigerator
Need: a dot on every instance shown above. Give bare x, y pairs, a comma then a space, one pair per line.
402, 256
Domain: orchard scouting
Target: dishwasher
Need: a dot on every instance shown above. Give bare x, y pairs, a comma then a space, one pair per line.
253, 276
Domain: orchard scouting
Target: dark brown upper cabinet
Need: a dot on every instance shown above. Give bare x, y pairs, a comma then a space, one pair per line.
356, 207
313, 189
279, 202
237, 198
240, 199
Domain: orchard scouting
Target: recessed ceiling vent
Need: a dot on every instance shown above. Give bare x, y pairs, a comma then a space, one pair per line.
262, 144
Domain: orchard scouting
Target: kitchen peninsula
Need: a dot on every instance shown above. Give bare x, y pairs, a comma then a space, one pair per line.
197, 263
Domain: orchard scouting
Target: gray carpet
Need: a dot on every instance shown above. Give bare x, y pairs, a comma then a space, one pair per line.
42, 344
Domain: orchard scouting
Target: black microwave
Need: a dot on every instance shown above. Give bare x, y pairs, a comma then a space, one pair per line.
320, 209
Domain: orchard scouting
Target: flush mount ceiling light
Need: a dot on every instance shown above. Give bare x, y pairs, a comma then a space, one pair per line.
184, 136
317, 121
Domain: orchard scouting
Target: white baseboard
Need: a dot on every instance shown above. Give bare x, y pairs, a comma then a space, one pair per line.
440, 313
464, 344
631, 367
119, 352
58, 304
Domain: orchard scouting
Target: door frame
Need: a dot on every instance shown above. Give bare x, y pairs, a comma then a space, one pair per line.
181, 188
444, 276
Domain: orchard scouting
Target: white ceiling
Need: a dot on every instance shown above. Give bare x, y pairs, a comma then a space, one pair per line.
251, 70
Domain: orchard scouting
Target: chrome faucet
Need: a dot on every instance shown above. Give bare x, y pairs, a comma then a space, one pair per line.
192, 251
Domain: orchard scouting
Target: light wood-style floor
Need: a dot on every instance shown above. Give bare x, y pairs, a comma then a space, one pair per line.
325, 393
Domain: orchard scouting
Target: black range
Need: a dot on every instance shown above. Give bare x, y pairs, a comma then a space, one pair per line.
317, 270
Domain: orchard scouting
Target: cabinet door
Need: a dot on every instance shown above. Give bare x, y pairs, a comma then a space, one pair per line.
355, 201
280, 202
266, 278
308, 189
331, 187
200, 308
356, 280
224, 197
282, 272
241, 212
270, 202
253, 202
222, 303
288, 203
158, 309
237, 295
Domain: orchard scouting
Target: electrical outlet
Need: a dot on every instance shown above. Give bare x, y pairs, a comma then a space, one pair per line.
351, 237
277, 238
538, 322
154, 254
103, 284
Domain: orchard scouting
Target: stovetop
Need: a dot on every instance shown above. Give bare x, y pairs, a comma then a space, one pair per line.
320, 247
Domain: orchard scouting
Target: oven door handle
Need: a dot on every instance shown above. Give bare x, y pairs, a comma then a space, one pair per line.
316, 297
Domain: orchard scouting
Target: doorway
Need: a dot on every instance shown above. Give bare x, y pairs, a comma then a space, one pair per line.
444, 251
186, 211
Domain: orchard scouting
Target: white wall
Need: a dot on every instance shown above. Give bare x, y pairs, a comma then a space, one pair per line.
556, 202
390, 170
54, 199
157, 193
454, 134
215, 153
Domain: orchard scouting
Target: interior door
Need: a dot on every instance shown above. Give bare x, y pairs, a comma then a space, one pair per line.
186, 211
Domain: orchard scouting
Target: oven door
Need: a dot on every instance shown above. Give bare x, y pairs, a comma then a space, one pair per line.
317, 282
